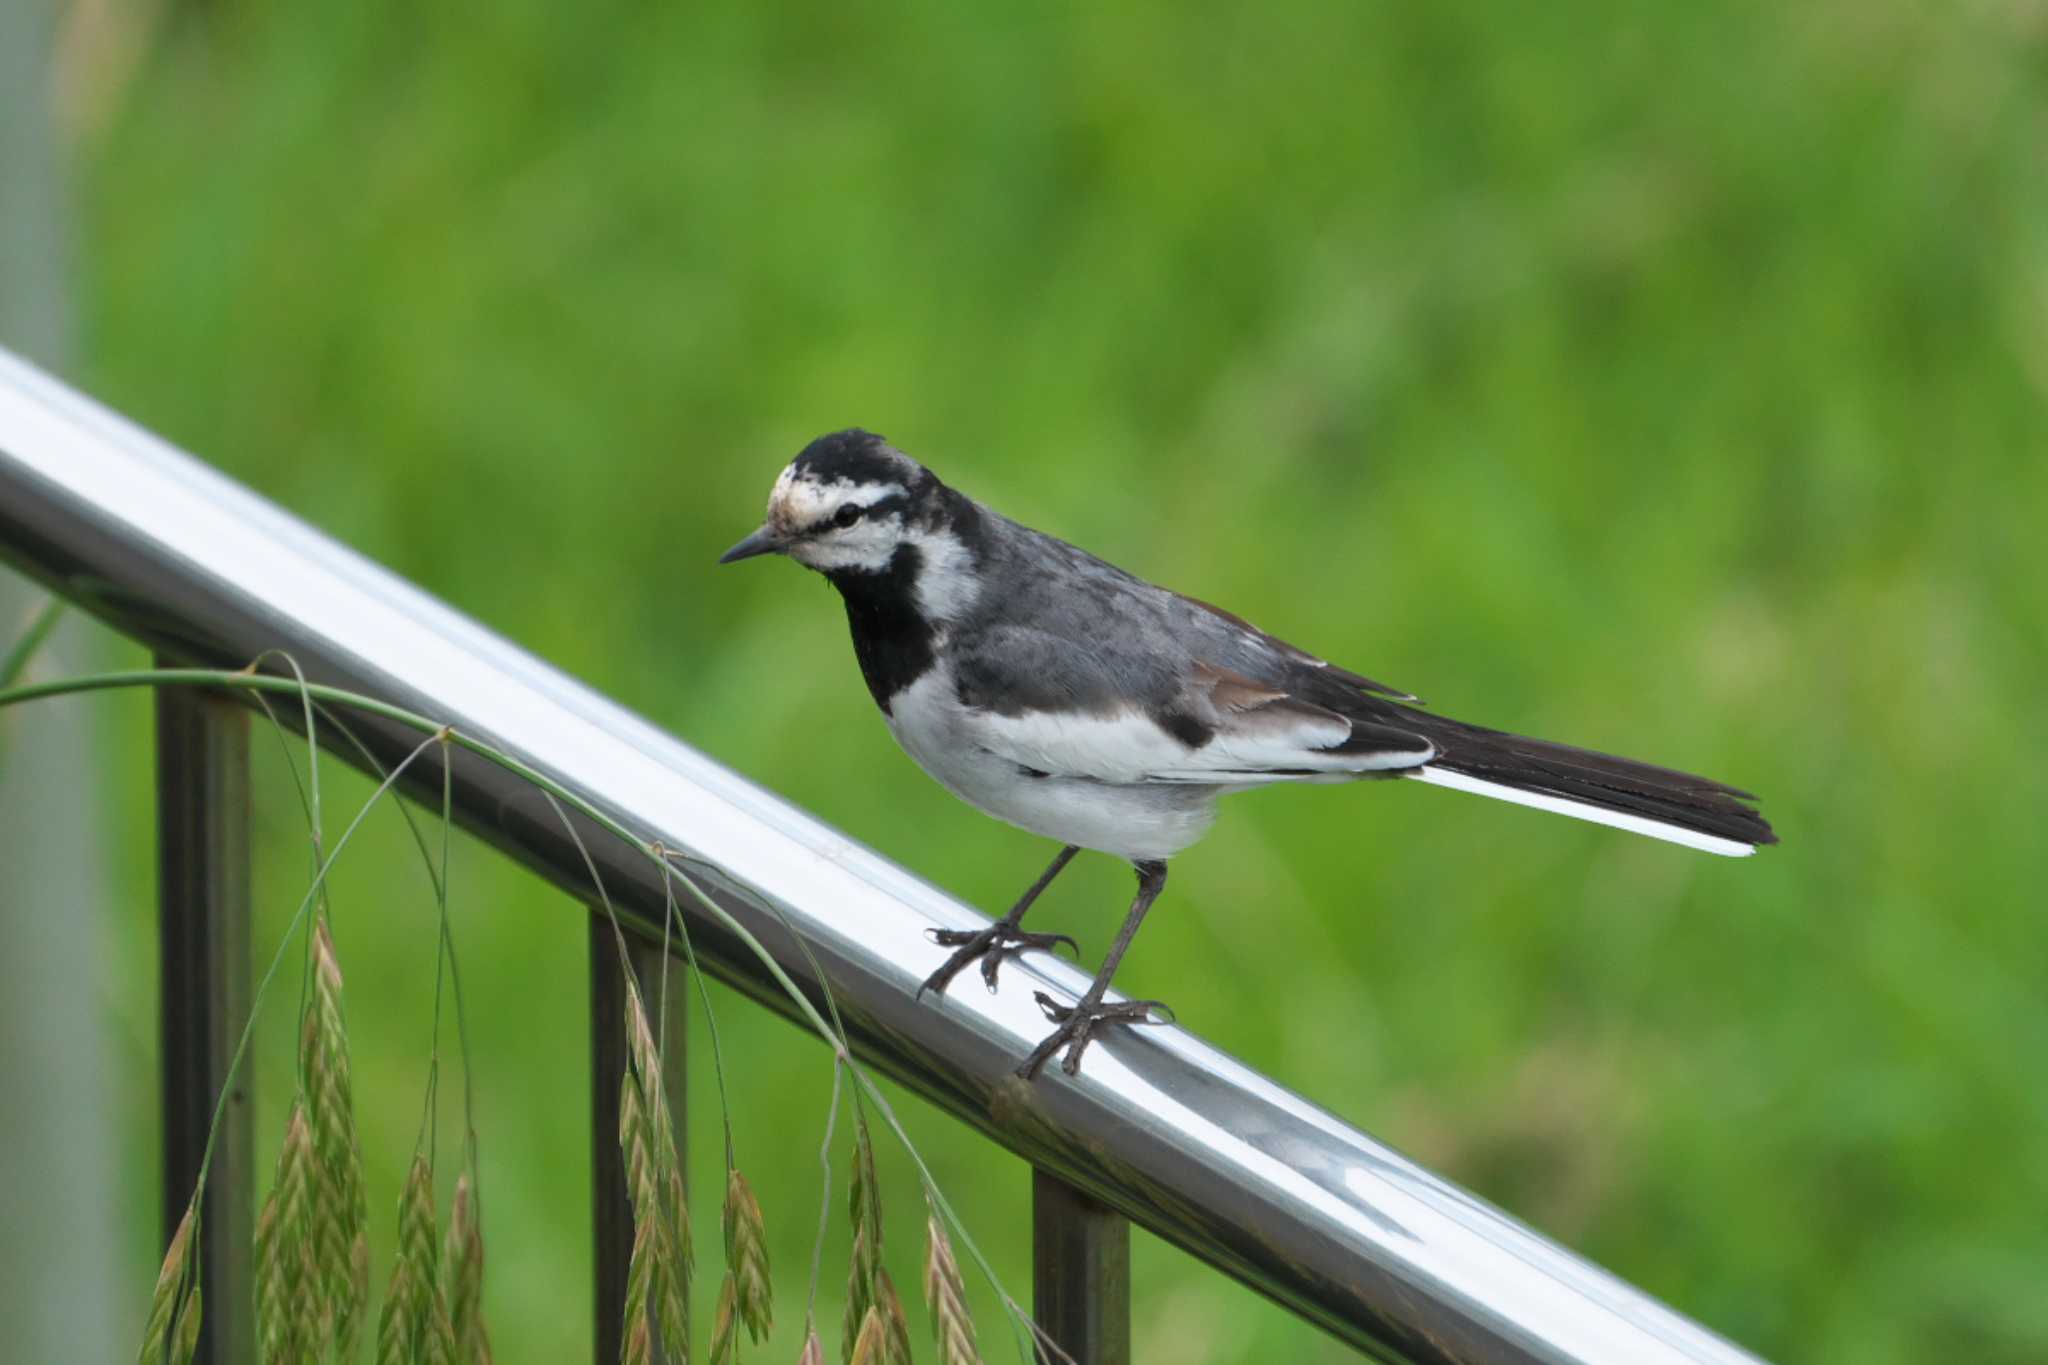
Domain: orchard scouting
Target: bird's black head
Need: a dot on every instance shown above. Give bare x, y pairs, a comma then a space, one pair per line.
847, 503
855, 457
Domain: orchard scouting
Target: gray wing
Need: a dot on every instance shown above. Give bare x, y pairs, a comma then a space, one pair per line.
1083, 671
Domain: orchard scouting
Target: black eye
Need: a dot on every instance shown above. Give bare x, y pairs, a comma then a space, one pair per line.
848, 515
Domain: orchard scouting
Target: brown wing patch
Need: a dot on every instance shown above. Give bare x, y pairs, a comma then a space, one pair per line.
1252, 707
1274, 732
1234, 692
1298, 654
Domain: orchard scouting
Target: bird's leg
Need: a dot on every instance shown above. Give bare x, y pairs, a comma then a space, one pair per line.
1078, 1022
1001, 939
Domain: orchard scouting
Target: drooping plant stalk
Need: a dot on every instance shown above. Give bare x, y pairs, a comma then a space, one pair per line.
747, 1266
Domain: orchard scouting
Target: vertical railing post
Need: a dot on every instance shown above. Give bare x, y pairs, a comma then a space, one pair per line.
611, 1211
202, 780
1080, 1272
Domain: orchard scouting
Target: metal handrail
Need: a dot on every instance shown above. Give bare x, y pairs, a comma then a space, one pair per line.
1186, 1141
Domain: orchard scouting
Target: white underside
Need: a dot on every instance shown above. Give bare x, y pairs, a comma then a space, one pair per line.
1599, 815
959, 748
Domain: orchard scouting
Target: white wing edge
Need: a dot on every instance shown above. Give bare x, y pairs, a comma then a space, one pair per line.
1599, 815
1129, 747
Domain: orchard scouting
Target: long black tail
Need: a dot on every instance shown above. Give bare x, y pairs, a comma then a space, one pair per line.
1659, 802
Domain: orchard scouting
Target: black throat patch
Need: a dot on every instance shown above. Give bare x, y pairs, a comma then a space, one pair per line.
891, 639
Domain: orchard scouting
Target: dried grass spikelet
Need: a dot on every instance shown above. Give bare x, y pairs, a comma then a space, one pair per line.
277, 1281
814, 1349
946, 1295
340, 1209
673, 1307
175, 1300
864, 1191
414, 1325
746, 1256
860, 1298
868, 1287
895, 1326
663, 1256
394, 1321
185, 1338
868, 1341
269, 1294
864, 1212
292, 1240
464, 1266
170, 1280
725, 1338
184, 1341
636, 1333
636, 1345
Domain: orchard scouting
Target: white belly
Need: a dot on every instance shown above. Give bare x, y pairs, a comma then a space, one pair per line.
1139, 822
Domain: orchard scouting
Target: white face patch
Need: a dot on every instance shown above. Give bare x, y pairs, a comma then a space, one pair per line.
799, 503
869, 545
803, 508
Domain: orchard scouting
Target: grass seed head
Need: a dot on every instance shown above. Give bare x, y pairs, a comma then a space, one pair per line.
895, 1326
868, 1342
946, 1295
746, 1256
185, 1340
170, 1282
725, 1344
464, 1264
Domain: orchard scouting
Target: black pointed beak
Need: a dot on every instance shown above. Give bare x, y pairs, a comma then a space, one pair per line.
762, 542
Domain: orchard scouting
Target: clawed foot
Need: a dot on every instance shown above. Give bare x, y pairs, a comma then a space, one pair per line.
1077, 1025
991, 945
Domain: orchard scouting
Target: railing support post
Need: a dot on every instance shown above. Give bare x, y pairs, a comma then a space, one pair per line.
611, 1211
202, 802
1080, 1272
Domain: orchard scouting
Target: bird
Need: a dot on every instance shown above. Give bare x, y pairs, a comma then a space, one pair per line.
1052, 690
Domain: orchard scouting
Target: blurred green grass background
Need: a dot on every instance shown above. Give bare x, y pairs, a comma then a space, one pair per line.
1664, 379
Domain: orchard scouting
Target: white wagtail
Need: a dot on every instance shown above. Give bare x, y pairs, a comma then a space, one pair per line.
1061, 694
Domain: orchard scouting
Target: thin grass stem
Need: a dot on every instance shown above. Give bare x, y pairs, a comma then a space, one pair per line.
40, 623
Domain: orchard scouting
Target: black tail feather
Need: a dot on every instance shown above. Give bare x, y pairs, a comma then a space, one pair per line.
1596, 779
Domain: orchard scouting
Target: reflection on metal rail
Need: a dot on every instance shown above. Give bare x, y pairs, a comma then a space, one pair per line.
1183, 1139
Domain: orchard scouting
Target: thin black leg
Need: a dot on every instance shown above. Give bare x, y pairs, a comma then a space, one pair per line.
1078, 1022
202, 778
1080, 1272
1001, 939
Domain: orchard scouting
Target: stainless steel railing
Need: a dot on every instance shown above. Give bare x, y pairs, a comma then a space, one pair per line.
1190, 1143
